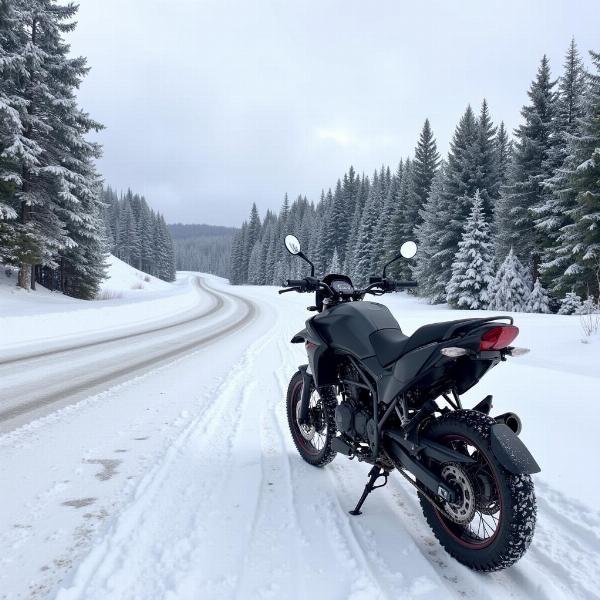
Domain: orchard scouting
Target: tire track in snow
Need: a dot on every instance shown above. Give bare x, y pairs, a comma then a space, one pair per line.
191, 505
87, 382
26, 357
342, 541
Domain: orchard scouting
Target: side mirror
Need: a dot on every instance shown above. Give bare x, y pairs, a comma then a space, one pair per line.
408, 249
292, 244
293, 247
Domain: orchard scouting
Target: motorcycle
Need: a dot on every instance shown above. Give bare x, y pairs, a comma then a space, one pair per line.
374, 394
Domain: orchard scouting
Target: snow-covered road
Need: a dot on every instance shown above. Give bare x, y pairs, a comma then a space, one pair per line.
184, 483
68, 369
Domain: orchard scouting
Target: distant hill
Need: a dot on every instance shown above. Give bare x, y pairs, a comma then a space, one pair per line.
200, 247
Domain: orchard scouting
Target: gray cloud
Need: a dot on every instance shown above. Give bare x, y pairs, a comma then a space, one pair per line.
211, 105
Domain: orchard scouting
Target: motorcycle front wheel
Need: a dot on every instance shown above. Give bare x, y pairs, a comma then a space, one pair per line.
313, 440
491, 523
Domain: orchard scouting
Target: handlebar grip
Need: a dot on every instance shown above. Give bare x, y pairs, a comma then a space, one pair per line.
296, 282
407, 284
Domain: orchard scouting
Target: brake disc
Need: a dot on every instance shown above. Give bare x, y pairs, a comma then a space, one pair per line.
463, 510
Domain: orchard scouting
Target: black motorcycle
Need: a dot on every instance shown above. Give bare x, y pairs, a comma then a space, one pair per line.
393, 401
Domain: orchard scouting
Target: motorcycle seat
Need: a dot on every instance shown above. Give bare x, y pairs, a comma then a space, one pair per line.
390, 344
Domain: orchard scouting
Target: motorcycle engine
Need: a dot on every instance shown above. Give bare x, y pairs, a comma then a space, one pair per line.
351, 421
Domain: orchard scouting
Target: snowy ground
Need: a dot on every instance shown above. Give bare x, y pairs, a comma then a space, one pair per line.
183, 482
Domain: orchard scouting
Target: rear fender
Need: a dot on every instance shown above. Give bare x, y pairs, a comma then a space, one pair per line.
511, 452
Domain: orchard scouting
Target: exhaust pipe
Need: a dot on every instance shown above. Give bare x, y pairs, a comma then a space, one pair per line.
511, 420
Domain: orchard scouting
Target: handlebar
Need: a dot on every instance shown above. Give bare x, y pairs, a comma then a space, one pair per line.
311, 284
295, 283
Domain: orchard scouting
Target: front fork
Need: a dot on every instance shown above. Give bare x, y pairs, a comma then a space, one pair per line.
305, 398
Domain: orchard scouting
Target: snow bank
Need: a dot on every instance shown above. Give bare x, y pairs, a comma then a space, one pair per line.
37, 318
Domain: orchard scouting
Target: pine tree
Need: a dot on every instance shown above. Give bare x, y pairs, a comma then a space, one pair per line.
433, 258
425, 165
129, 240
472, 270
352, 246
335, 263
538, 301
252, 236
237, 258
254, 264
503, 155
553, 212
570, 305
458, 188
484, 158
364, 252
509, 291
515, 220
404, 220
578, 246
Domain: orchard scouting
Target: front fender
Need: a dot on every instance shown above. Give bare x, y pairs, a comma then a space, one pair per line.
511, 452
300, 337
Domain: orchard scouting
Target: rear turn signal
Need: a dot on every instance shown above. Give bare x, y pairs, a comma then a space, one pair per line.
498, 337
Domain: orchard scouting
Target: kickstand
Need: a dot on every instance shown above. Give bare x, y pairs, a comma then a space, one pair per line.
374, 474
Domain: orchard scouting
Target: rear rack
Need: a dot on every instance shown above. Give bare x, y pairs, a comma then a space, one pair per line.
470, 322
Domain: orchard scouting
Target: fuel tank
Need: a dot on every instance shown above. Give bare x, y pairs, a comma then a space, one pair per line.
347, 326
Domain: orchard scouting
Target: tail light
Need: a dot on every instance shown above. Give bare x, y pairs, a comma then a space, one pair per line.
498, 337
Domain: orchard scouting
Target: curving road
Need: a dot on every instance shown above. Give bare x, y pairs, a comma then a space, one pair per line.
37, 383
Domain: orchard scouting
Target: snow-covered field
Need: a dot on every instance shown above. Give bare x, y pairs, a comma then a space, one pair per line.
43, 319
184, 483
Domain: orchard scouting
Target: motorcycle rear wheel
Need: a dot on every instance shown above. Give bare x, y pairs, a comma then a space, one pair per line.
492, 523
313, 441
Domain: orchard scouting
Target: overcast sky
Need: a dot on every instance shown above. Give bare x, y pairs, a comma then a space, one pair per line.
211, 105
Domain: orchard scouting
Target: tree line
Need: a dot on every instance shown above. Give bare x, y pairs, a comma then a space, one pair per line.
138, 235
50, 221
204, 248
507, 222
57, 225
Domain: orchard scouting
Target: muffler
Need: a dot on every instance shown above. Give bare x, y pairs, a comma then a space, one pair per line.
511, 420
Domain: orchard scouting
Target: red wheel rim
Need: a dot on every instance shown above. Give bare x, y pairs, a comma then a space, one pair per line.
456, 531
298, 437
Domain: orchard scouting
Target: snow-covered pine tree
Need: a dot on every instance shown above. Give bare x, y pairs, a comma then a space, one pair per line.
503, 155
425, 165
254, 264
539, 301
364, 253
484, 158
588, 306
457, 189
335, 267
509, 290
404, 221
570, 304
59, 195
433, 257
472, 268
10, 129
515, 218
252, 236
385, 219
554, 211
129, 240
164, 253
579, 241
237, 258
352, 246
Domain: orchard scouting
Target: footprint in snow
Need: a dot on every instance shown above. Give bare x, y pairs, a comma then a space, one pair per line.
80, 502
109, 467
